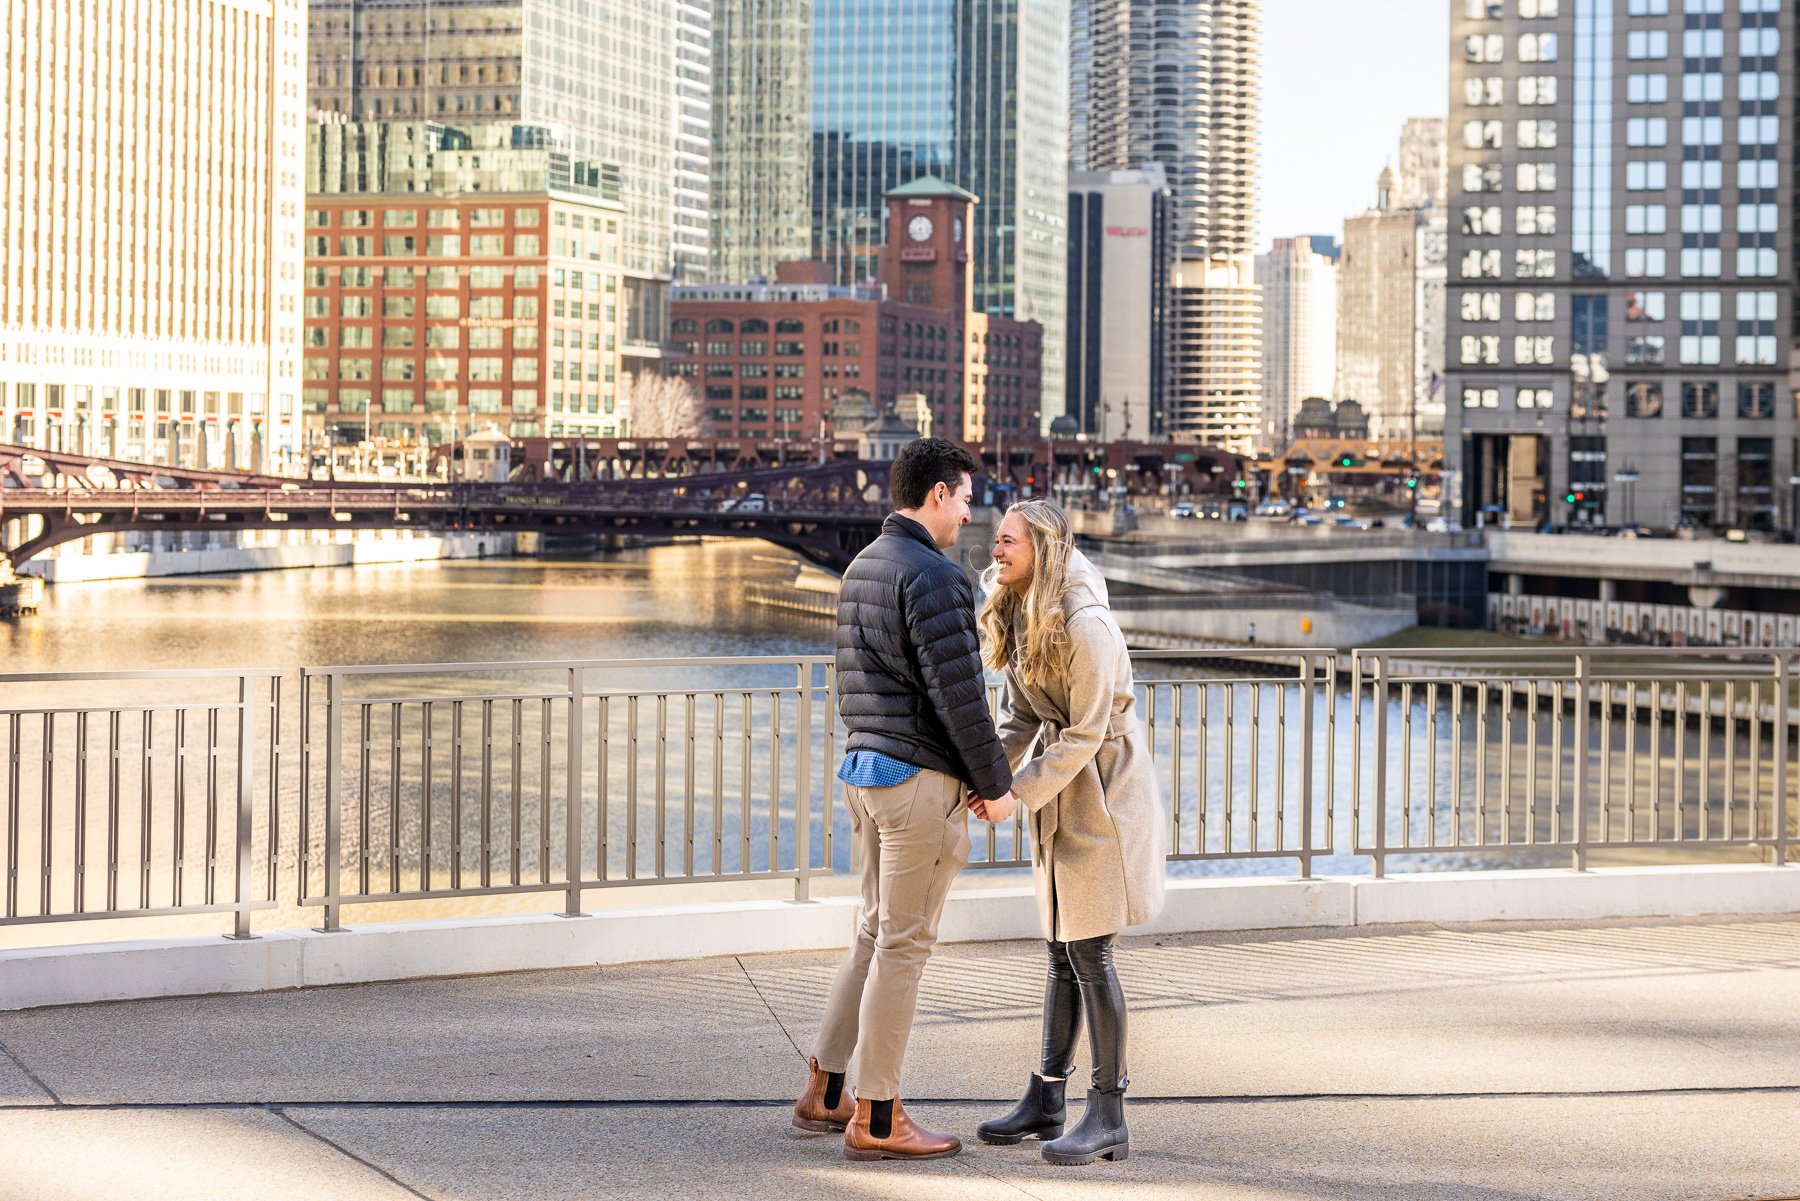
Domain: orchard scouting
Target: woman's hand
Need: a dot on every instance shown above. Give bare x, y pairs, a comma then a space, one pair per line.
995, 811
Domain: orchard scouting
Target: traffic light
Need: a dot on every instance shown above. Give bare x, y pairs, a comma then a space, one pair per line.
1572, 497
1096, 469
1344, 462
1240, 484
1412, 481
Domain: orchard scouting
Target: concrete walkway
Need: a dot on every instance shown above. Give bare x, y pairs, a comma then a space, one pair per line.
1639, 1061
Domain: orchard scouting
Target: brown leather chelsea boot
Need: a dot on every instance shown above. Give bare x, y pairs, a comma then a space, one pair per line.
905, 1139
811, 1112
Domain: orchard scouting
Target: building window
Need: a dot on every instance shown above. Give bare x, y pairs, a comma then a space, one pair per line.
1479, 90
1644, 306
1481, 264
1532, 350
1646, 176
1644, 350
1647, 131
1643, 44
1481, 177
1485, 48
1481, 398
1481, 135
1534, 264
1646, 262
1646, 89
1648, 8
1535, 177
1534, 218
1756, 401
1537, 89
1537, 135
1479, 220
1534, 306
1534, 398
1646, 219
1643, 399
1537, 48
1480, 348
1700, 399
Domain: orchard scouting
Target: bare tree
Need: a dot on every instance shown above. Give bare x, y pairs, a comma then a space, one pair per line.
661, 406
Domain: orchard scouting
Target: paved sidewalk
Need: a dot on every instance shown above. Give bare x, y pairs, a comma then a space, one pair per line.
1640, 1061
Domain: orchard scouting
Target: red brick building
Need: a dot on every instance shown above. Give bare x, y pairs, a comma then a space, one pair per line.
771, 360
427, 316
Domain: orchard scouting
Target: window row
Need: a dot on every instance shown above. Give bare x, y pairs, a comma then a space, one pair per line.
1491, 48
1494, 10
447, 337
435, 277
1532, 134
1489, 90
479, 218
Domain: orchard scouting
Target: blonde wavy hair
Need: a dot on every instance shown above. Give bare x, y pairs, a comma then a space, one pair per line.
1046, 626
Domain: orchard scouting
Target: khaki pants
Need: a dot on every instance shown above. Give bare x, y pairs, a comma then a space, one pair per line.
914, 838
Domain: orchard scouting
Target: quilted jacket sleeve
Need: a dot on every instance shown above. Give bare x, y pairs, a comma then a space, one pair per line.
940, 618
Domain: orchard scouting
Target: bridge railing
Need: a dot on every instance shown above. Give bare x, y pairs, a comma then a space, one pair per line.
161, 794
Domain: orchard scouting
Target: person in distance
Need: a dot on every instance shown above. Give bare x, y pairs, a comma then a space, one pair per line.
912, 695
1097, 820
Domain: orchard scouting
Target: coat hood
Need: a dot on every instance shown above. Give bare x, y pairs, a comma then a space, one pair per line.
1086, 587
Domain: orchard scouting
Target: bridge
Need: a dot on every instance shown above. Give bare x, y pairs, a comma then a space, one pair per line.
824, 512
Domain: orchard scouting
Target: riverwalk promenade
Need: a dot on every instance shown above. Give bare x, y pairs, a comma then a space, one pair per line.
1647, 1060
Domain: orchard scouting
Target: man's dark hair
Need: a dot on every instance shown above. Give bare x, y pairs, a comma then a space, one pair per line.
924, 464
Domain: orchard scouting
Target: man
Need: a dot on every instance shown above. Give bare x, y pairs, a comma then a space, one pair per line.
912, 695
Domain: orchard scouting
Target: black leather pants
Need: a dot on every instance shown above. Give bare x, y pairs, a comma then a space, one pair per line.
1081, 980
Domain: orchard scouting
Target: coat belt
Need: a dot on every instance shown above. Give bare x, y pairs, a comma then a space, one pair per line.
1120, 725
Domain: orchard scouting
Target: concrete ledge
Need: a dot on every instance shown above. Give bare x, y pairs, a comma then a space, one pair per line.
1552, 894
415, 950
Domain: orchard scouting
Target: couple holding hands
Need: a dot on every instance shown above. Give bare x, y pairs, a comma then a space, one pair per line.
923, 753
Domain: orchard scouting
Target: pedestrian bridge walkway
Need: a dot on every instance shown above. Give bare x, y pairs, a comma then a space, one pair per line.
1501, 1062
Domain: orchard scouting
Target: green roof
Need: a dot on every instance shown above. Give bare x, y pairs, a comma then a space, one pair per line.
931, 185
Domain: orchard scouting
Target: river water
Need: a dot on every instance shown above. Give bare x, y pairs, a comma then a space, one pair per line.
677, 601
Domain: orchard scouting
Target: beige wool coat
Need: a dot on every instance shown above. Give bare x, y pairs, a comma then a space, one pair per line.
1097, 821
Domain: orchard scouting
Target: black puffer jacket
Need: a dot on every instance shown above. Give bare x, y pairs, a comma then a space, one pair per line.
909, 661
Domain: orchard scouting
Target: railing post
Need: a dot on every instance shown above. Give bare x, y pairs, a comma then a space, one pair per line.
334, 781
572, 812
246, 750
1306, 767
1378, 697
1781, 758
1580, 765
803, 752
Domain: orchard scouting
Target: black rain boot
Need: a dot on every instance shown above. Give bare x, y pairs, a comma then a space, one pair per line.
1101, 1134
1038, 1115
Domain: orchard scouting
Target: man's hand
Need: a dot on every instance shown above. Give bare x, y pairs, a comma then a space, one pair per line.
995, 811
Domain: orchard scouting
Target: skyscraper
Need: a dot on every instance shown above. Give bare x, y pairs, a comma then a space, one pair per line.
625, 82
1190, 102
1622, 262
1390, 329
1121, 244
1298, 282
972, 91
762, 138
150, 221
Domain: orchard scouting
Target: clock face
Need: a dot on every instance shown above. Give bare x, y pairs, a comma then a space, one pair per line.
919, 228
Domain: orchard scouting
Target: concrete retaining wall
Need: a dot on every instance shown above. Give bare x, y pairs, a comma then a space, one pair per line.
397, 547
403, 951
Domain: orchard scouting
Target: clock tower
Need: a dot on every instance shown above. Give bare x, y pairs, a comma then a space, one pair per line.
926, 258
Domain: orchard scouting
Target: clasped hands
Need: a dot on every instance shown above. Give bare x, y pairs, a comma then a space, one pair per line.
996, 810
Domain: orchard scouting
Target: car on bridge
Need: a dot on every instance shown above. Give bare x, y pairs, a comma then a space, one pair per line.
755, 502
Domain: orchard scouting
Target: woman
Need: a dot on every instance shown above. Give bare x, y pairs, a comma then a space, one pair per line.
1097, 841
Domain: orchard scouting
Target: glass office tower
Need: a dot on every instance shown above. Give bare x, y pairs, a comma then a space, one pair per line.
974, 92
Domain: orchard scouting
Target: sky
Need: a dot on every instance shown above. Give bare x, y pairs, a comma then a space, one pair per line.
1340, 77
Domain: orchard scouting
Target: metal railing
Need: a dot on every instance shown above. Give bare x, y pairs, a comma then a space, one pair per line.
142, 808
1615, 748
442, 782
